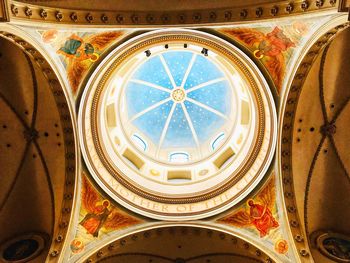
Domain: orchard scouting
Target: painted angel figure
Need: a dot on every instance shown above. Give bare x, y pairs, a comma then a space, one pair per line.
81, 52
258, 215
268, 48
101, 215
94, 220
75, 47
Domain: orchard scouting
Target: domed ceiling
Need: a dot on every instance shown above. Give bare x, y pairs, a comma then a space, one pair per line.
180, 120
177, 130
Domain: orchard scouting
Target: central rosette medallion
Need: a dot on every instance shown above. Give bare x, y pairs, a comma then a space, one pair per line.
178, 95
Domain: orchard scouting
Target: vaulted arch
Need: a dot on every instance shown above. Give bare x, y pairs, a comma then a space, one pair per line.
38, 152
313, 154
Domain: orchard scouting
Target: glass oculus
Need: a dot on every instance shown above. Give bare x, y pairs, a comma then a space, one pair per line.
177, 117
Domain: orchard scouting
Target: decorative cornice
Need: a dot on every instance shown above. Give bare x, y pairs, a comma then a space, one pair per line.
22, 13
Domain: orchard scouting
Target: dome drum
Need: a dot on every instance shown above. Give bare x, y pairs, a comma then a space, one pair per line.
177, 131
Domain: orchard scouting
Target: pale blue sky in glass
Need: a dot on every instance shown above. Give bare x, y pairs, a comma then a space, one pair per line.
178, 124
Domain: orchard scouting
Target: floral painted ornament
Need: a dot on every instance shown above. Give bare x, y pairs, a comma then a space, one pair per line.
281, 246
77, 246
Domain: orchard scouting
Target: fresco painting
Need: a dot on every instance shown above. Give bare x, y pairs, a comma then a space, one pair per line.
98, 217
259, 213
281, 246
79, 50
259, 216
77, 246
273, 46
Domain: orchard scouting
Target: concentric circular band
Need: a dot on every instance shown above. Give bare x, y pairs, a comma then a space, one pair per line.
228, 187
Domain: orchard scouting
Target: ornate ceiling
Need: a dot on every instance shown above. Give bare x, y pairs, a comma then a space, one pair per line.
316, 134
181, 244
37, 147
249, 162
158, 13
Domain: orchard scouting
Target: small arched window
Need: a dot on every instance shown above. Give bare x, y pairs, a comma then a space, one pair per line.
217, 141
179, 157
141, 143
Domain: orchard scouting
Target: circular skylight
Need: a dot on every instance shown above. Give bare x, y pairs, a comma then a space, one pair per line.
180, 105
177, 123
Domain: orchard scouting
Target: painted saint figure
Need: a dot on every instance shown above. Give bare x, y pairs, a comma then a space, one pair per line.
74, 47
100, 214
259, 214
94, 220
274, 43
81, 52
269, 48
262, 218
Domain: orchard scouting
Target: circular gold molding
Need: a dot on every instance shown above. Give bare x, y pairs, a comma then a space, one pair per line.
222, 195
